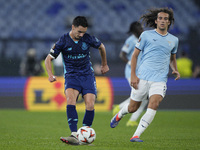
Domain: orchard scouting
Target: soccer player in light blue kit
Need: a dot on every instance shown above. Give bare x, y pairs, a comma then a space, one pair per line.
79, 74
158, 49
126, 53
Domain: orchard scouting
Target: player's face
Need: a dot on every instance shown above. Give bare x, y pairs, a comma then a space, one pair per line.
162, 21
78, 32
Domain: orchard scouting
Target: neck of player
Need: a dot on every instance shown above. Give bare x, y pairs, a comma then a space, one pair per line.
72, 36
162, 32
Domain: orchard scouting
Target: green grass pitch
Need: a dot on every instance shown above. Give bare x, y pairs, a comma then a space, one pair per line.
170, 130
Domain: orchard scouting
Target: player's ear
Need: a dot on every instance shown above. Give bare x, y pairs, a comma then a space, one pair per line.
72, 27
168, 22
156, 21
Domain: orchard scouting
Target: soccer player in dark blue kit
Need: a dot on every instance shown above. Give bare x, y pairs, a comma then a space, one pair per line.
79, 74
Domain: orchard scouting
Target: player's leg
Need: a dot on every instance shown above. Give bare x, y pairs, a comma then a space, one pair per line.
128, 108
156, 93
117, 108
148, 117
89, 113
136, 97
89, 92
71, 95
72, 90
133, 119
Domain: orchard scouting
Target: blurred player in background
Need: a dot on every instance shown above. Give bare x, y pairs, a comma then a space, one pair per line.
158, 49
30, 66
79, 74
127, 50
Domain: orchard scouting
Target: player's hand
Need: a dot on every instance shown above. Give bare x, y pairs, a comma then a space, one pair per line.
52, 78
177, 74
104, 69
134, 82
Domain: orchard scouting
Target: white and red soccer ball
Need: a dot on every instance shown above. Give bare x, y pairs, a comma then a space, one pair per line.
86, 135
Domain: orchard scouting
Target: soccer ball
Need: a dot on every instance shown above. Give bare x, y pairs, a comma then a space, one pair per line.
86, 135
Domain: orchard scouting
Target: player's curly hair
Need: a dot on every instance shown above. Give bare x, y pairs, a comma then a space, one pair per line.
152, 14
80, 21
135, 28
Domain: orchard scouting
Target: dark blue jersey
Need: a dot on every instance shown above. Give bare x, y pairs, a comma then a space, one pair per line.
75, 54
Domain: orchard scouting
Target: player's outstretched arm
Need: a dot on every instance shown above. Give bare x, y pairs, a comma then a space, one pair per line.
104, 66
173, 66
48, 60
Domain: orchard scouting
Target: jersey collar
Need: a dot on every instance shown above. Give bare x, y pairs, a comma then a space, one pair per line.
161, 34
72, 39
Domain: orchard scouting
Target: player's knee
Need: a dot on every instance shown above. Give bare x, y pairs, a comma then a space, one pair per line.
154, 104
90, 106
132, 109
133, 106
70, 101
155, 101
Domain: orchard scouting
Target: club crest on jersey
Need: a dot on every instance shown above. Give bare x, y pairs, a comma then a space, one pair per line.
84, 46
69, 49
138, 42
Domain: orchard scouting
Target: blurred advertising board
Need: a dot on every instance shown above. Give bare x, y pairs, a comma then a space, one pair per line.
40, 94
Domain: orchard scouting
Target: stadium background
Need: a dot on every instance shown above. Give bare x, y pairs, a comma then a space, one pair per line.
38, 24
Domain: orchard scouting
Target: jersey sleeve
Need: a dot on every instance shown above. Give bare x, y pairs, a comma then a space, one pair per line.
141, 42
57, 47
174, 50
94, 42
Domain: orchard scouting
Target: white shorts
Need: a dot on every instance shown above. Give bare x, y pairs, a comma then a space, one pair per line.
148, 88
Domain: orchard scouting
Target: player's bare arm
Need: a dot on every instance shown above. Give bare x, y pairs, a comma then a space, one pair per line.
123, 56
134, 79
173, 66
104, 66
48, 60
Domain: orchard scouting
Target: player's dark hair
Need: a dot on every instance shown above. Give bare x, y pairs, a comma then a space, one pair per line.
136, 28
80, 21
152, 14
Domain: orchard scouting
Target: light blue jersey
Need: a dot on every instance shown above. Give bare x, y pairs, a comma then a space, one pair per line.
156, 50
128, 48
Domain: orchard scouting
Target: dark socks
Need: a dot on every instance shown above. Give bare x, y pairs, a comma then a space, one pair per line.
72, 117
88, 118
